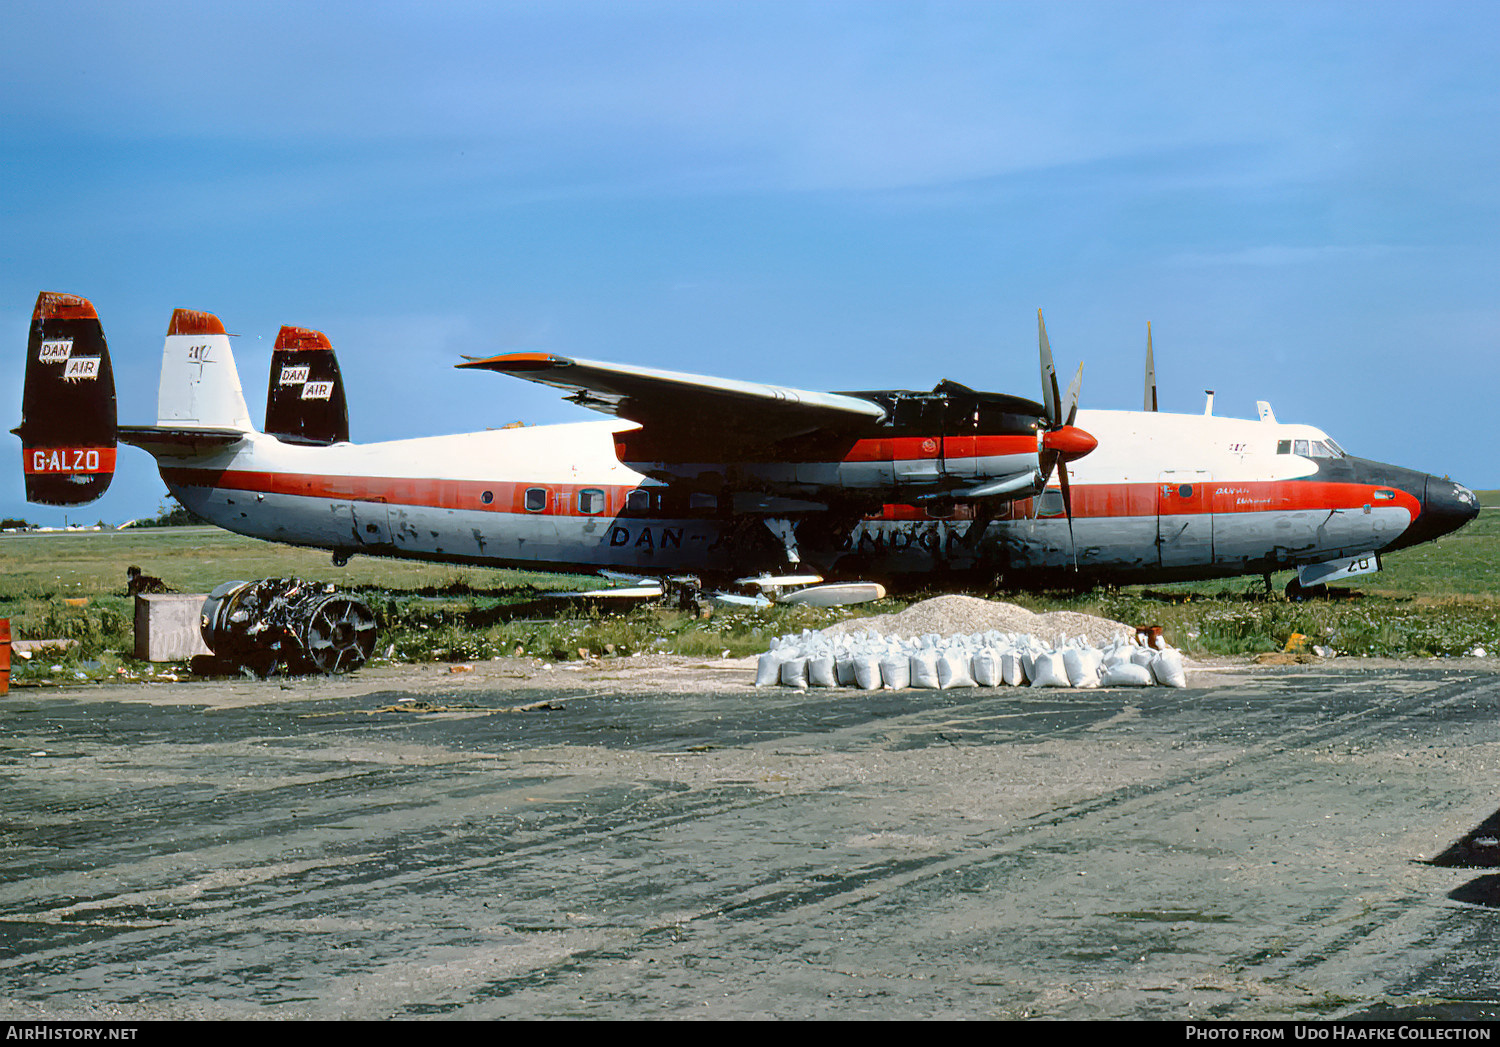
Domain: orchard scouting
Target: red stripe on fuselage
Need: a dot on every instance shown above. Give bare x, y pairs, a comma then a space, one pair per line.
1224, 497
1089, 501
434, 493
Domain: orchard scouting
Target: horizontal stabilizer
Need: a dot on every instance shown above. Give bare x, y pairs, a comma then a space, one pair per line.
68, 417
170, 439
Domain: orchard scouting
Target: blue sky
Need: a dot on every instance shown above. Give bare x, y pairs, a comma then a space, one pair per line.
1302, 198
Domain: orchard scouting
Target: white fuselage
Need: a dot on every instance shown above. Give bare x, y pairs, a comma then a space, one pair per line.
1163, 496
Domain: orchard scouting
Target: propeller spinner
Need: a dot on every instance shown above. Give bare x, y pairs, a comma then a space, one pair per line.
1061, 441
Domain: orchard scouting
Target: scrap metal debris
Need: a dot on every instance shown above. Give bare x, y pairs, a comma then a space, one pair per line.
288, 623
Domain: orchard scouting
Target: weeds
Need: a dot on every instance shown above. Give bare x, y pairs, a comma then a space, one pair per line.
1441, 599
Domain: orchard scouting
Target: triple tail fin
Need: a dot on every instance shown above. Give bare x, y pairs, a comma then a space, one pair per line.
68, 420
305, 401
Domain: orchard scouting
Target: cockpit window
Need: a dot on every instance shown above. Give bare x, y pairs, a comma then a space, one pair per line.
1324, 448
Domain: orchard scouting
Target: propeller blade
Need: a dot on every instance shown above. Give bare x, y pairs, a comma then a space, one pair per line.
1046, 460
1049, 372
1067, 497
1070, 402
1150, 372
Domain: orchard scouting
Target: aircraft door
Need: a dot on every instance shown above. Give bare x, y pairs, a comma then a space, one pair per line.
1184, 518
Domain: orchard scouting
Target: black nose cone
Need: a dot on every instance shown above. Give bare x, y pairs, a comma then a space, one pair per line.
1446, 506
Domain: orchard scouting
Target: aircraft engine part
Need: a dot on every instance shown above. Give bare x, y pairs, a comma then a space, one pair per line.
303, 626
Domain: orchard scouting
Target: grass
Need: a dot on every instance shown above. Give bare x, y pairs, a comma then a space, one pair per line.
1442, 598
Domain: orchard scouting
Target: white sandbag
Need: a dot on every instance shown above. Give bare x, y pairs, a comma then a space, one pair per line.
984, 666
768, 669
924, 669
1049, 671
1127, 674
867, 672
820, 671
1168, 670
1028, 663
953, 669
1143, 656
1082, 666
794, 673
843, 670
895, 671
1013, 670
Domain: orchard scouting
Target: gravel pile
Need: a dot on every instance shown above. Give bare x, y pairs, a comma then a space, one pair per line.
958, 615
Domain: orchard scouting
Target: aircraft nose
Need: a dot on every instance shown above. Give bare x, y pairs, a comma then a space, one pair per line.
1446, 506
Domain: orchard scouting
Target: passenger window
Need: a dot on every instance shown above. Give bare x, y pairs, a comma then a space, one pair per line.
638, 501
703, 503
536, 499
591, 501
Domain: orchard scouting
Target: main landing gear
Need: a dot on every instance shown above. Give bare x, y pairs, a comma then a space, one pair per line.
1296, 592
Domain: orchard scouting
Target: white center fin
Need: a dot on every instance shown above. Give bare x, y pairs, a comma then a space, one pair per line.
199, 383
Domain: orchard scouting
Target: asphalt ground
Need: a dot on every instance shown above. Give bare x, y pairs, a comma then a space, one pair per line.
657, 839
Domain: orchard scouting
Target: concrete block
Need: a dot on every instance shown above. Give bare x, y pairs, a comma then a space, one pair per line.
167, 626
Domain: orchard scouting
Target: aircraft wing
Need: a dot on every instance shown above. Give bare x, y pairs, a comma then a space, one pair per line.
765, 413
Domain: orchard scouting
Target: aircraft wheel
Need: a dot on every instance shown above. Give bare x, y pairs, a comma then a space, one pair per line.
341, 558
1296, 592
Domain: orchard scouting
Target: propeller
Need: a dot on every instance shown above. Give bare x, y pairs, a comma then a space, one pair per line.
1150, 372
1061, 441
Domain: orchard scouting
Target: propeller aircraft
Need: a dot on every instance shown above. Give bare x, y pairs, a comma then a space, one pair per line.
732, 484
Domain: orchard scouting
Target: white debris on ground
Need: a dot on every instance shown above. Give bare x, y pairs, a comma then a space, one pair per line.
963, 641
948, 615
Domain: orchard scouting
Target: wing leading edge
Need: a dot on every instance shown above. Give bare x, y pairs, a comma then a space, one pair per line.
763, 413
